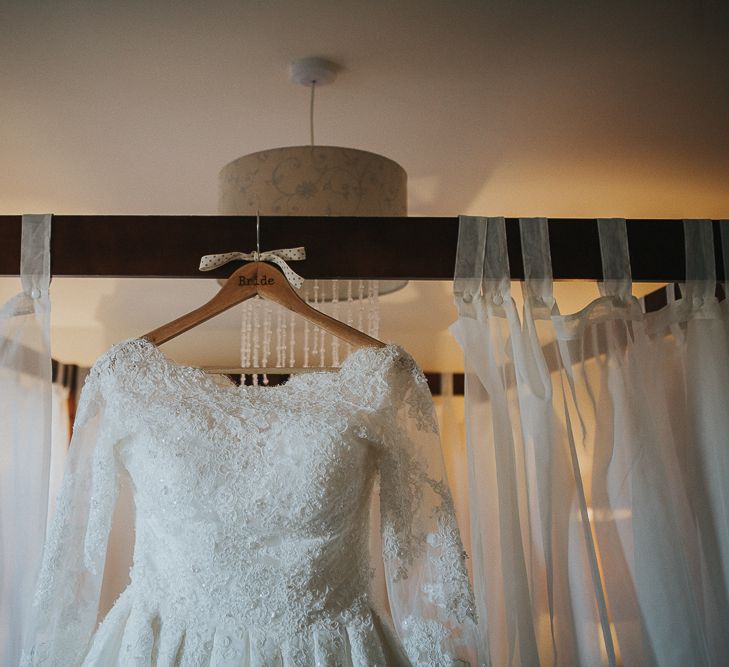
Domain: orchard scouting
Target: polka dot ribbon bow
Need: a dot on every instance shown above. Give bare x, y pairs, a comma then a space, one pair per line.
278, 257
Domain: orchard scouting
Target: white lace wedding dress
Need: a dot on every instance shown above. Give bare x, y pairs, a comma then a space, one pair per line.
252, 521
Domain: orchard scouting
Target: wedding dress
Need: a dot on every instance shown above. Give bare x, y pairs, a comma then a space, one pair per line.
252, 521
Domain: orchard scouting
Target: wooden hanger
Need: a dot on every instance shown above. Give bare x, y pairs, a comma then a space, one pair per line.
265, 280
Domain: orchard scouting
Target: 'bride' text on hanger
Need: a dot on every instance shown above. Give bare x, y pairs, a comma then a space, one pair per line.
255, 280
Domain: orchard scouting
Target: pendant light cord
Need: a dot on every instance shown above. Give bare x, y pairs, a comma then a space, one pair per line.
311, 113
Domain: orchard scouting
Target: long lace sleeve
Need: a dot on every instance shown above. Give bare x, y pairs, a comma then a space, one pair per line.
429, 593
66, 602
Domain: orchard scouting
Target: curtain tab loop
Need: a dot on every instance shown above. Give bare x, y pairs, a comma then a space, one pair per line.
538, 283
496, 276
469, 262
482, 262
700, 263
617, 278
35, 255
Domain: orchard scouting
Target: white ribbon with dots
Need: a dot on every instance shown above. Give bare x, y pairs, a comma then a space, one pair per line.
278, 257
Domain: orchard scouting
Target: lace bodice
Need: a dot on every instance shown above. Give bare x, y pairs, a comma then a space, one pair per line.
252, 520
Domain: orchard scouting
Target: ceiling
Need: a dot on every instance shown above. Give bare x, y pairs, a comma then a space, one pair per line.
580, 109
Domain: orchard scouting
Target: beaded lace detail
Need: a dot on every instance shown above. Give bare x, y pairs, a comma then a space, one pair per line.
252, 520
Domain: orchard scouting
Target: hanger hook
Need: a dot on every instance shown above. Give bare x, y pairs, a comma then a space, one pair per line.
258, 232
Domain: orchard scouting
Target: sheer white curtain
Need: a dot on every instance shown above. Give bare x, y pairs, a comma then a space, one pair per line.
25, 434
60, 439
598, 450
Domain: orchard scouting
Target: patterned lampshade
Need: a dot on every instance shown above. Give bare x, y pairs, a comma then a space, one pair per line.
315, 181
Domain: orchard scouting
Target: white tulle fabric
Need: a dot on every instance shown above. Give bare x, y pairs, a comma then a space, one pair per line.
25, 434
252, 521
598, 457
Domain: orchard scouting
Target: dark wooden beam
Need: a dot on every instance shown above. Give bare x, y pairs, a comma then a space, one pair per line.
385, 248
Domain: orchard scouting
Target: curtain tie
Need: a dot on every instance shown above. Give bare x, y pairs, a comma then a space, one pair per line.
278, 257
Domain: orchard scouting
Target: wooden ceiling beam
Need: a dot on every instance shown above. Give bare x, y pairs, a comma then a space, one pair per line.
413, 248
